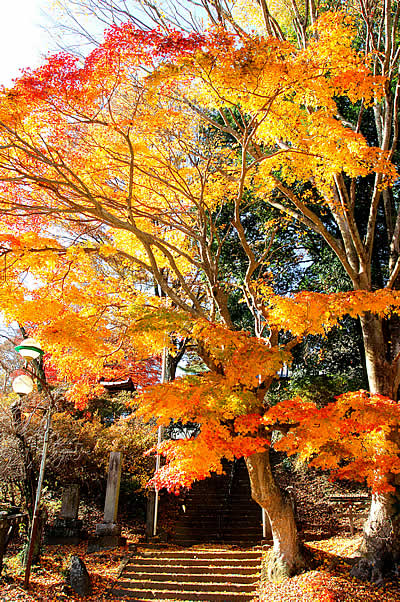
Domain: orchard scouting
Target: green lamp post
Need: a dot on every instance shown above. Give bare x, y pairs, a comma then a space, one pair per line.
23, 384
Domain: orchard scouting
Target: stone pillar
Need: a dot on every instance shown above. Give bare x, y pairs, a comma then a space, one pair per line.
150, 514
113, 484
108, 533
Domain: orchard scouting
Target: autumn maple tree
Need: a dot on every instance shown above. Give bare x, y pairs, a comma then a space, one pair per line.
114, 175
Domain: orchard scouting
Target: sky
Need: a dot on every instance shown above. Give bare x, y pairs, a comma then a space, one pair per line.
21, 38
22, 41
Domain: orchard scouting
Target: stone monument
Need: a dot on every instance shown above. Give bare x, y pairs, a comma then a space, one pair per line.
108, 533
67, 528
78, 577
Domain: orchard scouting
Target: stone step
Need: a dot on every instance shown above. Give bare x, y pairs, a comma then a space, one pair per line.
221, 538
238, 518
234, 499
218, 528
204, 565
235, 514
222, 570
205, 527
127, 593
200, 531
221, 506
225, 520
205, 504
151, 546
233, 541
204, 562
202, 554
239, 488
189, 586
242, 508
187, 543
240, 513
227, 517
253, 555
191, 577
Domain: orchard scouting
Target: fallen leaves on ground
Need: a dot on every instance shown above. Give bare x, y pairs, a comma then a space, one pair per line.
331, 581
47, 582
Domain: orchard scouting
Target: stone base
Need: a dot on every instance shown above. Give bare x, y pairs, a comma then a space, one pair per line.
105, 542
103, 529
65, 531
65, 541
107, 537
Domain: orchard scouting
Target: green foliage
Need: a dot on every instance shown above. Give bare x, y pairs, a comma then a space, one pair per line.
319, 389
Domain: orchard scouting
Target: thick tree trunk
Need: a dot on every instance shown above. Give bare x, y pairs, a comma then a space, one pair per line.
379, 369
286, 558
380, 547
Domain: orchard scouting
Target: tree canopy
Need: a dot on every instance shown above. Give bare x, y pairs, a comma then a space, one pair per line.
116, 177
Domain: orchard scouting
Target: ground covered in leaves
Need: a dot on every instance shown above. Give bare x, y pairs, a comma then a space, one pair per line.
330, 581
317, 516
48, 581
324, 527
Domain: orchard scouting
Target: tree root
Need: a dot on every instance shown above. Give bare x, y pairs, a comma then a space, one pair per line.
372, 570
274, 568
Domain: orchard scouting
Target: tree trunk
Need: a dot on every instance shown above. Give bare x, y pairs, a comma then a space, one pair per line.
378, 366
286, 558
29, 482
380, 547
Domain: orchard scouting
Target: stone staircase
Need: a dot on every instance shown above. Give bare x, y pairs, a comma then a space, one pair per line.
213, 574
220, 510
211, 554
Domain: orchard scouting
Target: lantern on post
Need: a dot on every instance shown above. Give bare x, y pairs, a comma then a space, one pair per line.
22, 384
29, 349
